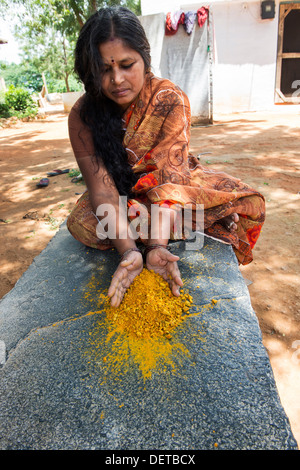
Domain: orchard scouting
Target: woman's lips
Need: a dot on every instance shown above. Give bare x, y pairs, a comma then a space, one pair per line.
119, 92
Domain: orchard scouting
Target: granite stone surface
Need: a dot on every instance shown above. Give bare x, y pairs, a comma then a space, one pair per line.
61, 389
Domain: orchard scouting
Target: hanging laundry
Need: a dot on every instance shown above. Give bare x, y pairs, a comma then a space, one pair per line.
173, 20
177, 18
202, 15
168, 29
189, 21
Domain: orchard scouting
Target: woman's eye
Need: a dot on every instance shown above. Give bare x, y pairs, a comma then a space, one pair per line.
108, 68
127, 66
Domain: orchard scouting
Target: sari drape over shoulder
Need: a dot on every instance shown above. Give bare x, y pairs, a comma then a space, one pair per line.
157, 134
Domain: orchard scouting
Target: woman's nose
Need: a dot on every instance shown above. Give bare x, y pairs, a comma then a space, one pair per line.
117, 75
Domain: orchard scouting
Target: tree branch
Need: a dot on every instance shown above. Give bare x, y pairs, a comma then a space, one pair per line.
78, 13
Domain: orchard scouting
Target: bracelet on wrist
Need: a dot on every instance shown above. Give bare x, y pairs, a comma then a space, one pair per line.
129, 251
153, 247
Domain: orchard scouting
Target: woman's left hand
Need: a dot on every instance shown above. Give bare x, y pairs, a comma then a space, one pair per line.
127, 270
163, 262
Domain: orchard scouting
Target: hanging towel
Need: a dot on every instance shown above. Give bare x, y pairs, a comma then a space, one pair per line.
202, 15
189, 21
173, 20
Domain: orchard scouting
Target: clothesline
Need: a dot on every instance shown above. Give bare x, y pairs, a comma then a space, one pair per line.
188, 20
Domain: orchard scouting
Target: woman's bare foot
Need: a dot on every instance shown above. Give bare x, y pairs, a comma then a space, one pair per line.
230, 222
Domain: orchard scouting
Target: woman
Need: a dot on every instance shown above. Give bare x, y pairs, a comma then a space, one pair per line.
130, 135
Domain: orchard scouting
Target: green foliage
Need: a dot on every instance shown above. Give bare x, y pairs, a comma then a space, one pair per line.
26, 75
17, 98
56, 85
4, 110
46, 31
22, 75
18, 102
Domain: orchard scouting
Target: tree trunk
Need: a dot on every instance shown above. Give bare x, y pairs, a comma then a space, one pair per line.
66, 73
67, 82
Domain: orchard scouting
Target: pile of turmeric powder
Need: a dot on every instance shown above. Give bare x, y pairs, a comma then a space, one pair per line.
149, 308
141, 330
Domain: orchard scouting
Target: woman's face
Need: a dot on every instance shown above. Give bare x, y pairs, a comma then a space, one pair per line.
124, 72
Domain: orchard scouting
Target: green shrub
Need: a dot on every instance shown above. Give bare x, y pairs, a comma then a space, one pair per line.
4, 110
19, 99
18, 102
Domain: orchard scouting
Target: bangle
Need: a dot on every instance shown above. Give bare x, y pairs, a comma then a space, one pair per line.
129, 251
153, 247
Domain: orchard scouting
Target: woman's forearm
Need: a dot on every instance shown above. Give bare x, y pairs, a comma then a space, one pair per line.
161, 226
111, 212
106, 204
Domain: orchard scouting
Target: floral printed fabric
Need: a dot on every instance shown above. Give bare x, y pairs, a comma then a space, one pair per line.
157, 143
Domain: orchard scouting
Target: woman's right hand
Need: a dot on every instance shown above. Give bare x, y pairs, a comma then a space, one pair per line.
124, 275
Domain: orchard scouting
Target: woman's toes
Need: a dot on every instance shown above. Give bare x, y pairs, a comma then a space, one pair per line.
230, 222
232, 227
235, 217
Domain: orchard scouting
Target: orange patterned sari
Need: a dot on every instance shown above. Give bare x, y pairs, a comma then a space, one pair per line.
157, 143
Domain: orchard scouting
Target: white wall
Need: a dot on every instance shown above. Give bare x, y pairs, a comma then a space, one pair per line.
245, 49
183, 59
150, 7
245, 57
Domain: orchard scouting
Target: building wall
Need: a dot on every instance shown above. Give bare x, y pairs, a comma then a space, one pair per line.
245, 57
244, 53
184, 60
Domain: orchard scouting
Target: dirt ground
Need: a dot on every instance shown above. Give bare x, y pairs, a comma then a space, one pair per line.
263, 149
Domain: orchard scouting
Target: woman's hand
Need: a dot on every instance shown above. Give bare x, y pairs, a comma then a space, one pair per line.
127, 270
163, 262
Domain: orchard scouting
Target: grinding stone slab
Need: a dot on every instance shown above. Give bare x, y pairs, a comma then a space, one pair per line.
58, 392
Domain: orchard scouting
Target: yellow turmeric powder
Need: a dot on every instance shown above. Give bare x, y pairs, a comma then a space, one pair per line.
149, 309
140, 329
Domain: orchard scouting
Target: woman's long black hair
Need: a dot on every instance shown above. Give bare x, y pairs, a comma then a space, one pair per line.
99, 113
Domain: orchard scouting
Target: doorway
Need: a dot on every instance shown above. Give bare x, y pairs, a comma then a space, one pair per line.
287, 88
